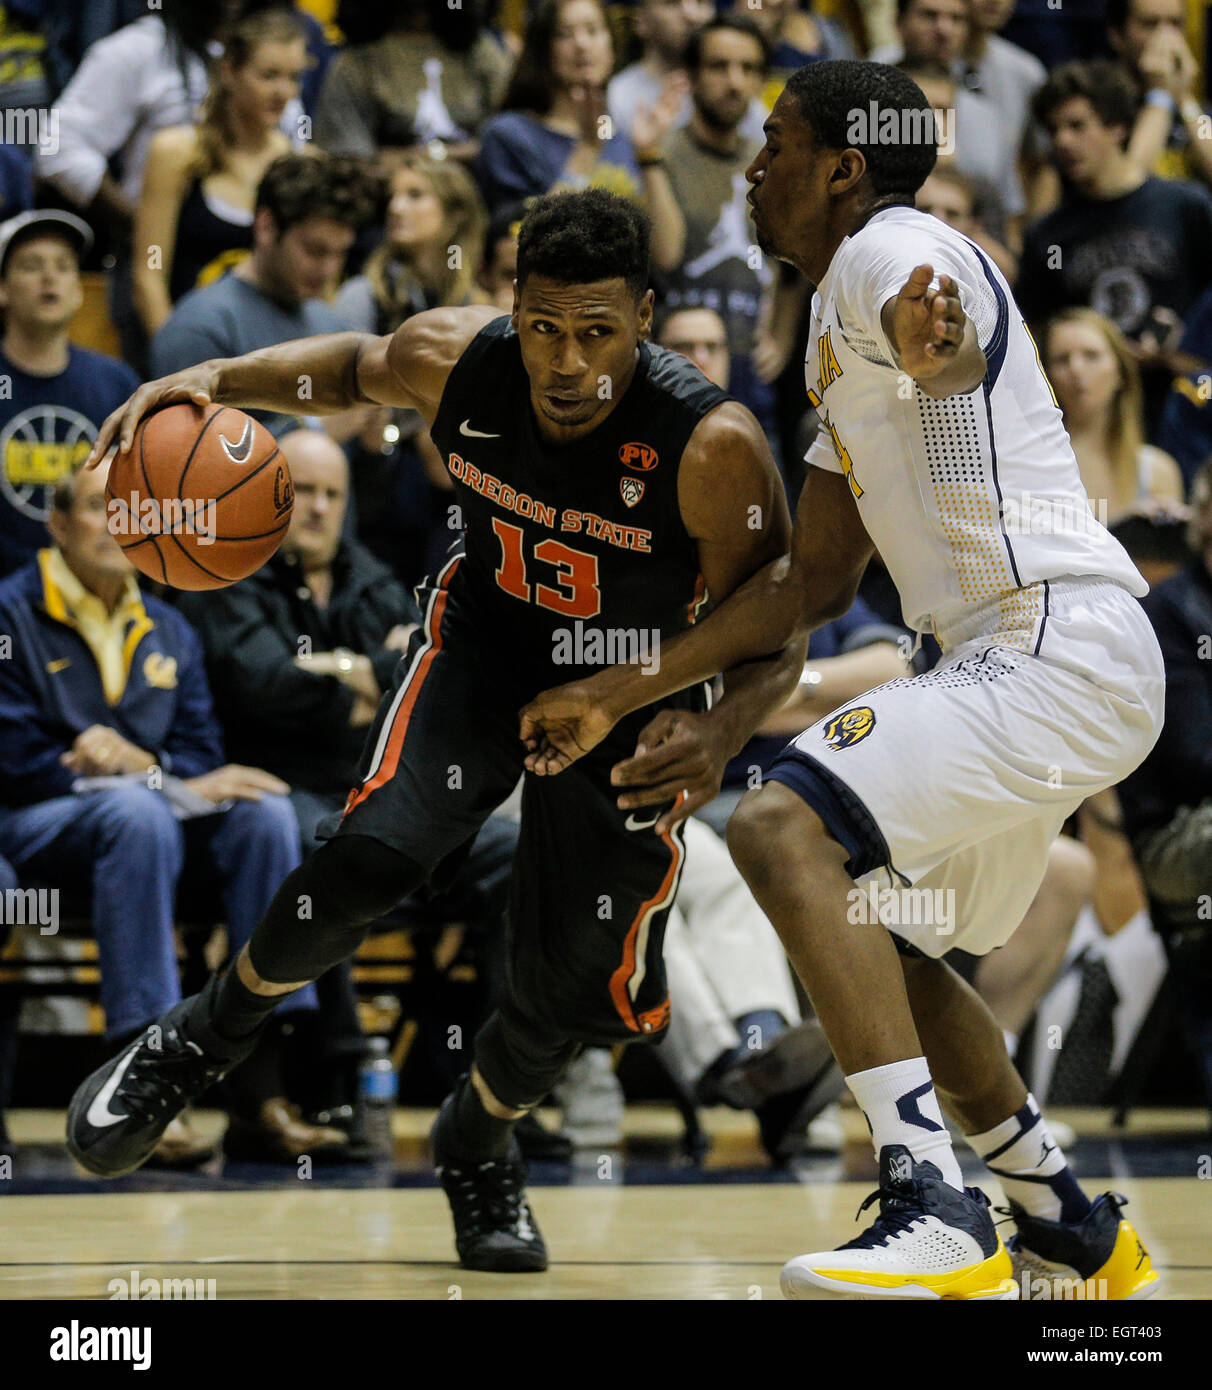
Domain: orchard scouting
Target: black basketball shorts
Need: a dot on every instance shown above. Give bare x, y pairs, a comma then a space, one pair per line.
592, 885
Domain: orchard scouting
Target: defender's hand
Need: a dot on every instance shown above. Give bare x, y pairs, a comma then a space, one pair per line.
679, 755
927, 323
197, 384
561, 725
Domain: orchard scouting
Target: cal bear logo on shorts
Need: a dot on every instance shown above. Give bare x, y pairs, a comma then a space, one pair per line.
849, 727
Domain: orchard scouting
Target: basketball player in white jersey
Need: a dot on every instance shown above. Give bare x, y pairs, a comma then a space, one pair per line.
917, 818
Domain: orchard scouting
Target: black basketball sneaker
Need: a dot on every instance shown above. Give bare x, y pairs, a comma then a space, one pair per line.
118, 1114
495, 1229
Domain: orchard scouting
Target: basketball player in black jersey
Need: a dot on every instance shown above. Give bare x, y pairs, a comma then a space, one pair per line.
604, 490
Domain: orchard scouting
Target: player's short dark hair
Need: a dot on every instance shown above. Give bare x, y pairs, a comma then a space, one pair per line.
298, 186
1107, 86
581, 237
831, 94
739, 23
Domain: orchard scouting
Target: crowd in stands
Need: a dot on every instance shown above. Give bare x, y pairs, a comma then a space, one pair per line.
237, 175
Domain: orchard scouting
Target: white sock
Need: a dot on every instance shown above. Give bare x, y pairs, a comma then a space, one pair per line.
901, 1108
1031, 1167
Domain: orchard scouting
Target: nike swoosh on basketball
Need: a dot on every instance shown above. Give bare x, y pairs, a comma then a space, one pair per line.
240, 450
466, 429
632, 824
99, 1114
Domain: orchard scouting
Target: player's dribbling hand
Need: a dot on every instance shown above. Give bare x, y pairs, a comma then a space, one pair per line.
677, 756
196, 384
927, 322
561, 725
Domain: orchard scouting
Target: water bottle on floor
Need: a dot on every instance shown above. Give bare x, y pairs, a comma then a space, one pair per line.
377, 1087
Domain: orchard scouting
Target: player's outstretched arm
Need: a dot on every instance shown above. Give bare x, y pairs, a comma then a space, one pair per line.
315, 376
935, 340
783, 601
762, 619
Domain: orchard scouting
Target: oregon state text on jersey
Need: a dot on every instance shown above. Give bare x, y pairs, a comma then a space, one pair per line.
582, 533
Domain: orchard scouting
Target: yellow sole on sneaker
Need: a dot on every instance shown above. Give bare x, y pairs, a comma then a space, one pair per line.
1127, 1275
989, 1279
1129, 1272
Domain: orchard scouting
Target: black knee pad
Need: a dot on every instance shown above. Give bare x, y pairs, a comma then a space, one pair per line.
358, 879
321, 912
519, 1060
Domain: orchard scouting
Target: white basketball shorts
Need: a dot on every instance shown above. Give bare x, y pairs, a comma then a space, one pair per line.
949, 788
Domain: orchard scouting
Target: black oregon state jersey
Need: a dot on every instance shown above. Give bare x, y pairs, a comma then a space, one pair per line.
575, 555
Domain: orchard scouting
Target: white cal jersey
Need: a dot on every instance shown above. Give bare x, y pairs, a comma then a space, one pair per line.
971, 501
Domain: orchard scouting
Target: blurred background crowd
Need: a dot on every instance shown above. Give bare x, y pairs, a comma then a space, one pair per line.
188, 181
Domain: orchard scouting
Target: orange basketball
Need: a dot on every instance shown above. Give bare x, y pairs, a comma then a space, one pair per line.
201, 499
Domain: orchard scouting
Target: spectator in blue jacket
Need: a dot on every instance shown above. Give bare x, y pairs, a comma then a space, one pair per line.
114, 775
58, 394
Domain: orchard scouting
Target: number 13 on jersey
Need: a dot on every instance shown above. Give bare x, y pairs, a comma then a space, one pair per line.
577, 595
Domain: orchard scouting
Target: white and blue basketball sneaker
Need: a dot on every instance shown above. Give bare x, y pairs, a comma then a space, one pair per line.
930, 1241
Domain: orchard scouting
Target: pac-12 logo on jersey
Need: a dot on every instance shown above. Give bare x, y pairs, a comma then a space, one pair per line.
850, 727
641, 457
631, 489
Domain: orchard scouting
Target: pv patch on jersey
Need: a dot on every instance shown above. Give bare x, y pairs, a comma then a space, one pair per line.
632, 489
850, 727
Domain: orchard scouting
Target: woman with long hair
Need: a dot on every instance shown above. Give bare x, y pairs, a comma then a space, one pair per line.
1097, 385
195, 213
431, 249
429, 255
553, 130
